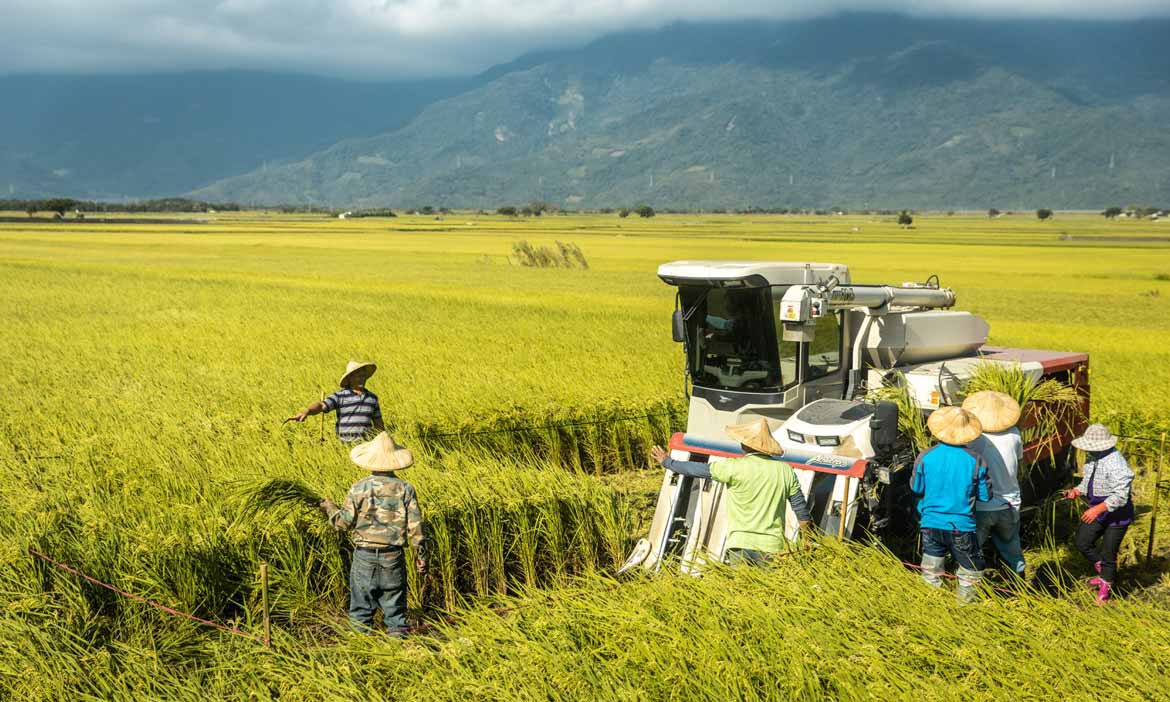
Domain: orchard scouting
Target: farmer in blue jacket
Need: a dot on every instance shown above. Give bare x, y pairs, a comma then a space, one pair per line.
950, 477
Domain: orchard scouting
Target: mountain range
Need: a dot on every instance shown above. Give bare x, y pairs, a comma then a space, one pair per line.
134, 136
852, 111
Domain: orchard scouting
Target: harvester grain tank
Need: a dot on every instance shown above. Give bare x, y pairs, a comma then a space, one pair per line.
801, 345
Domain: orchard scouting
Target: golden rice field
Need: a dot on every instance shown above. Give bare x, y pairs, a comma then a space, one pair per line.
147, 369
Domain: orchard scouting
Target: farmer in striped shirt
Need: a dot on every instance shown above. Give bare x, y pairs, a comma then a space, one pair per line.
1106, 486
358, 413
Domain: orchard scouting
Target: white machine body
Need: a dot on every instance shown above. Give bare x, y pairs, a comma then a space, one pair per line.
800, 345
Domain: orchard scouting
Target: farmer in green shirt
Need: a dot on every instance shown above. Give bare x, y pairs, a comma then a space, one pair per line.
760, 490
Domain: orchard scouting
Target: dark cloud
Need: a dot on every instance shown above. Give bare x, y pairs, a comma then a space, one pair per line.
385, 38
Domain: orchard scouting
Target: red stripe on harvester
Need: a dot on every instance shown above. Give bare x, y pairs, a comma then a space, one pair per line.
856, 470
140, 598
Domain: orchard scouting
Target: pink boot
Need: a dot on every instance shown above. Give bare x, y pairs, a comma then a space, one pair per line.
1096, 582
1103, 591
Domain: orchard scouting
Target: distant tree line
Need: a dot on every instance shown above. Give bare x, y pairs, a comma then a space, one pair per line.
61, 205
375, 212
535, 208
1135, 212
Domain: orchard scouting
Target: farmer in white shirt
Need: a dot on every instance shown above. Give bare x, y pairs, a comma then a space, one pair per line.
1002, 449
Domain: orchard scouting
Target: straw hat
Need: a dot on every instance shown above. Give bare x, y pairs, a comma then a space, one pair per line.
1096, 438
352, 368
755, 435
954, 425
381, 454
996, 411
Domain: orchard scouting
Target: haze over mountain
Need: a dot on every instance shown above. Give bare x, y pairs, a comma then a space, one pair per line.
852, 111
861, 110
116, 136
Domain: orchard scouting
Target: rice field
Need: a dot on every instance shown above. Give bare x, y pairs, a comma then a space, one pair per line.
148, 368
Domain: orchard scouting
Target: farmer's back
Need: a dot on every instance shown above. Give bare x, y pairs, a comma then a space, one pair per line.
758, 489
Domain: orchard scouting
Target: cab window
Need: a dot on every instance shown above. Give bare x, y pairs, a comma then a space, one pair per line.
824, 353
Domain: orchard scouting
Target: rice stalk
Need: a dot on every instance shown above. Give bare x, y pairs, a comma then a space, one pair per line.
277, 495
1049, 407
911, 422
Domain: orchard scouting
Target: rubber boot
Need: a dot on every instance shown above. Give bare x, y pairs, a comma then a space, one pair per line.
968, 590
1103, 592
933, 568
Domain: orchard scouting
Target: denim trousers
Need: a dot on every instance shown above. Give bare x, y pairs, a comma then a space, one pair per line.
378, 580
1104, 552
746, 555
960, 545
1002, 526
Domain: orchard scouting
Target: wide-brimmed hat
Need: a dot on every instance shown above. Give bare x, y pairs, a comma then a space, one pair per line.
755, 435
1096, 438
996, 411
353, 368
381, 454
954, 425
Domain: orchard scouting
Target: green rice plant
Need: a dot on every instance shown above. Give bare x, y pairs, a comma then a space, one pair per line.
442, 557
525, 545
805, 628
476, 549
599, 437
515, 386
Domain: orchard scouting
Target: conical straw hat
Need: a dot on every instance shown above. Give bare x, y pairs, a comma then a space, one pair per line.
353, 367
381, 454
996, 411
954, 425
755, 435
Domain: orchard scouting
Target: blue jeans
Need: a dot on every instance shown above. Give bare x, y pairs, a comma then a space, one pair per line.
964, 548
1003, 526
746, 555
378, 580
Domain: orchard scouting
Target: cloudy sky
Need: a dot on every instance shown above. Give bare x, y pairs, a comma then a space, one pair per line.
401, 38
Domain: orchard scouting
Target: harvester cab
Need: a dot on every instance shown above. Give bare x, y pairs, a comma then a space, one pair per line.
802, 346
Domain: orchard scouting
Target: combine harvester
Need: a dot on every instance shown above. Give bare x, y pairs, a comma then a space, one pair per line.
800, 345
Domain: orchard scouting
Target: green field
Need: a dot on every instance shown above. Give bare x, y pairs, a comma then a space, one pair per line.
147, 369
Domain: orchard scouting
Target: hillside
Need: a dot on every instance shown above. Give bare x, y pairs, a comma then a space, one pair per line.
139, 136
855, 111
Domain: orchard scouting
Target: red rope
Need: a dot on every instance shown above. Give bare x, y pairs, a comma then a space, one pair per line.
955, 577
140, 598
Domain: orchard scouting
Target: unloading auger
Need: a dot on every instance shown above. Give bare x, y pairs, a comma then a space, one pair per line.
799, 344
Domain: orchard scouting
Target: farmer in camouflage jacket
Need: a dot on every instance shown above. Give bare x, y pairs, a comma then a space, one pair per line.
383, 512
